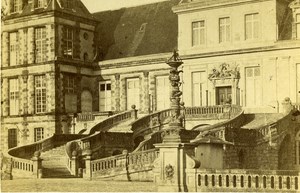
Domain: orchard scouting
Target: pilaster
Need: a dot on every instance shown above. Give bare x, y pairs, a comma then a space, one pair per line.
146, 99
5, 49
117, 93
5, 97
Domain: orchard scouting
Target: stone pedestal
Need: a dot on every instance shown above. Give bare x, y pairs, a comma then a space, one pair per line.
37, 164
88, 170
170, 168
74, 164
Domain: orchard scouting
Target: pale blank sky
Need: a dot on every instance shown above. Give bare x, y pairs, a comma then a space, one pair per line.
101, 5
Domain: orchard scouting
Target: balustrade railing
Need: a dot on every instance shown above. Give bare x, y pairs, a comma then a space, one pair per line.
124, 162
247, 180
213, 112
25, 159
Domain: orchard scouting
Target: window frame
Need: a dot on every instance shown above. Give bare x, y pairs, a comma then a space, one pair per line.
15, 6
227, 32
38, 134
68, 36
105, 88
70, 86
40, 44
13, 44
252, 23
201, 32
40, 94
12, 141
14, 93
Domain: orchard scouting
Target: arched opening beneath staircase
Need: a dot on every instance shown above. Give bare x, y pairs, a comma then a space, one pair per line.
137, 141
285, 158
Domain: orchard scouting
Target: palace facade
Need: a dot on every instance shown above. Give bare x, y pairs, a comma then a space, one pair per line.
59, 61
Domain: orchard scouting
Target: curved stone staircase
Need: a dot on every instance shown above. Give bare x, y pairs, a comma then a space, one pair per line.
54, 163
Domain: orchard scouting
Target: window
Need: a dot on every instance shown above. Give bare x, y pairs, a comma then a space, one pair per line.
68, 38
38, 134
12, 138
13, 96
251, 26
133, 93
162, 92
40, 94
70, 84
198, 89
253, 86
13, 46
15, 6
198, 33
298, 26
69, 4
40, 43
39, 3
224, 29
105, 96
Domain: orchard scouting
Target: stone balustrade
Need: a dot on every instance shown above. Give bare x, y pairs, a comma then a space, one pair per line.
246, 180
213, 112
124, 164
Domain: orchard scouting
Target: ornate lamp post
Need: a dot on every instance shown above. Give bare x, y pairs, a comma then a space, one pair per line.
173, 132
175, 153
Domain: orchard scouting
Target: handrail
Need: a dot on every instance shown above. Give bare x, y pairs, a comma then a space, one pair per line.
84, 143
154, 121
124, 161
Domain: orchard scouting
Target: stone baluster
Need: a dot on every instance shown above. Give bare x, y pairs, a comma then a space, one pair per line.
88, 169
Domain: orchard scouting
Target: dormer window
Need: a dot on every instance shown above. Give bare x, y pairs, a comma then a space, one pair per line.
69, 4
14, 6
39, 3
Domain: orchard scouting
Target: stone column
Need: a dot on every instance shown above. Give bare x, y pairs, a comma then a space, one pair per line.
5, 49
146, 93
117, 92
37, 164
123, 97
5, 97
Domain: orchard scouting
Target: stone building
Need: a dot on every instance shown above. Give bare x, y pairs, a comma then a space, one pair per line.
58, 59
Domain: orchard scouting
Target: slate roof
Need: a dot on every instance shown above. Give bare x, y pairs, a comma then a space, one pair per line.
135, 31
78, 9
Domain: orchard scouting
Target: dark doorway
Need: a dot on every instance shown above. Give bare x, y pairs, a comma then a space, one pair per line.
223, 95
12, 138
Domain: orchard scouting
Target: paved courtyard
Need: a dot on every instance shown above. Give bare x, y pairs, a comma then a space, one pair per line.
74, 185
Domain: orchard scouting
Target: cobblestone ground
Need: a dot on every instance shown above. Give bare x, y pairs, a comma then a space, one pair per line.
74, 185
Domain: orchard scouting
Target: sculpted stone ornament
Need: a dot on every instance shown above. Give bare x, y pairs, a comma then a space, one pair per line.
169, 171
224, 71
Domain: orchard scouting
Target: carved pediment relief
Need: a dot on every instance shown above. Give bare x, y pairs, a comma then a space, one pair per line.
224, 71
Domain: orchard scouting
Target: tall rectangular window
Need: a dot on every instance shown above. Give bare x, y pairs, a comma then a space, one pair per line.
12, 138
68, 39
224, 29
298, 26
40, 44
13, 49
40, 94
251, 26
13, 96
198, 89
198, 33
105, 96
162, 92
38, 134
70, 84
133, 93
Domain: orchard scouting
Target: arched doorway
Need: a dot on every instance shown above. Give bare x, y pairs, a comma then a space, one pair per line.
86, 101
